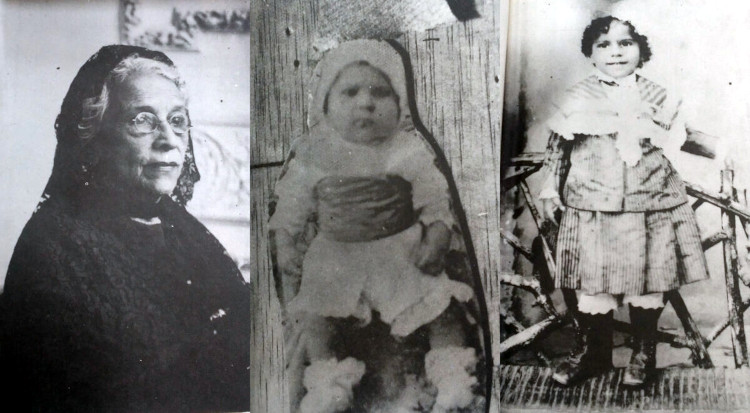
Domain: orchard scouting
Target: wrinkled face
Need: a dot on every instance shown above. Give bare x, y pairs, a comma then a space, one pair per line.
616, 53
150, 162
362, 106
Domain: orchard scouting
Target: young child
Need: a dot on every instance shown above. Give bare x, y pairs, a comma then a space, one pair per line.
627, 233
384, 225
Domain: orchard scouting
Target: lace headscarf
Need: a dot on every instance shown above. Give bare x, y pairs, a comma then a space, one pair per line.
74, 169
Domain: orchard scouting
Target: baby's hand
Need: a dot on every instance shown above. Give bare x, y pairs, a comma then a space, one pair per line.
290, 261
429, 254
288, 257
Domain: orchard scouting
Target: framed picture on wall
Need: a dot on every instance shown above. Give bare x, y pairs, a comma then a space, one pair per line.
167, 25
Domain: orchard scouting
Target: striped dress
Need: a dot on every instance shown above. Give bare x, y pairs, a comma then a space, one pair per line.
627, 227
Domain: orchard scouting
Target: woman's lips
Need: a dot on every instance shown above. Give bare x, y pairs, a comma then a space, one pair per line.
156, 167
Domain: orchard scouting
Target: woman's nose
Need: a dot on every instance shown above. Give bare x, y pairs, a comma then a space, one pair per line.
166, 139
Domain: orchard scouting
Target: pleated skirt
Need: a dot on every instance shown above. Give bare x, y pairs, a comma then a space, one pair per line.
631, 253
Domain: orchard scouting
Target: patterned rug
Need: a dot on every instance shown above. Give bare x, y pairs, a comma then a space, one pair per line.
681, 389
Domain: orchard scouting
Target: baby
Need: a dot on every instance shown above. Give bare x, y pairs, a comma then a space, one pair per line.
383, 228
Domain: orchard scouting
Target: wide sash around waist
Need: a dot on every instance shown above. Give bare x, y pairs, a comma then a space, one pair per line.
357, 209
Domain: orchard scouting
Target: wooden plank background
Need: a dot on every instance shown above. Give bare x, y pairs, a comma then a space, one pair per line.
458, 71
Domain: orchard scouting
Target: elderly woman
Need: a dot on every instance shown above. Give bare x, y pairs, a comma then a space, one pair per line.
117, 299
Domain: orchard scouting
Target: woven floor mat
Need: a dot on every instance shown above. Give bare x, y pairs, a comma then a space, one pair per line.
687, 389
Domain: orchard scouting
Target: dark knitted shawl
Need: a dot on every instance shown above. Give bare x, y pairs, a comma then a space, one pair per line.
103, 313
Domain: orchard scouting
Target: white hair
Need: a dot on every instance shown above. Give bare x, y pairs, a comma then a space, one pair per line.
94, 107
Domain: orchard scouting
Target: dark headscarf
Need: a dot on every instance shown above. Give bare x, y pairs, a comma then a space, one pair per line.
74, 169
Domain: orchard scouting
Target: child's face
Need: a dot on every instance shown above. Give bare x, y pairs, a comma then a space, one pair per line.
615, 53
362, 106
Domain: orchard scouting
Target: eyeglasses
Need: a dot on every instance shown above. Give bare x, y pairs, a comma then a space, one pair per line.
146, 122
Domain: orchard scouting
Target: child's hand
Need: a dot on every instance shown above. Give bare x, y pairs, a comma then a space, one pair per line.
429, 254
550, 206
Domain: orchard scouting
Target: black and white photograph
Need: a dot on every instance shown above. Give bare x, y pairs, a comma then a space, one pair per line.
321, 206
625, 216
375, 176
126, 206
379, 241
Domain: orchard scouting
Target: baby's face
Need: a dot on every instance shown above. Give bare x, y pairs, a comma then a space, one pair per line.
362, 106
616, 53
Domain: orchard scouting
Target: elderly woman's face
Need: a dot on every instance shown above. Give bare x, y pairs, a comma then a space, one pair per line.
148, 160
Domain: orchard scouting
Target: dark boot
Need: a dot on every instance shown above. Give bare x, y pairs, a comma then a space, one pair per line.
592, 354
643, 361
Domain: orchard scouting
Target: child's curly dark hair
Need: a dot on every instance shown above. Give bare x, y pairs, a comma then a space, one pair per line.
600, 26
